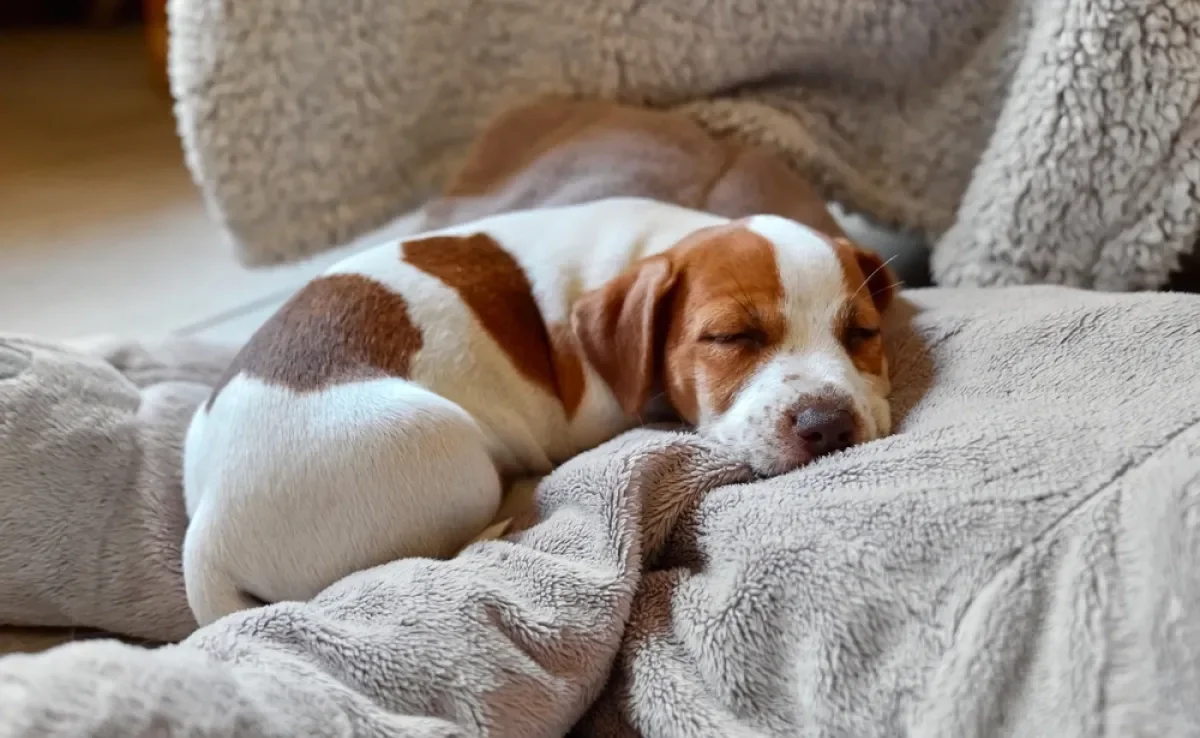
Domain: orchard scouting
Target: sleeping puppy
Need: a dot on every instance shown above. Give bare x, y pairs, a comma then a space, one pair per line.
377, 414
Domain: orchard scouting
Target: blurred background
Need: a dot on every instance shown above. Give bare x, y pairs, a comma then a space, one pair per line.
101, 228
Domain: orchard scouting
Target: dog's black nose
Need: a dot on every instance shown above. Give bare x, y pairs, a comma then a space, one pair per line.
825, 426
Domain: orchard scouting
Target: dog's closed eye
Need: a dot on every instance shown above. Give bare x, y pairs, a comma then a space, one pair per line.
856, 335
746, 338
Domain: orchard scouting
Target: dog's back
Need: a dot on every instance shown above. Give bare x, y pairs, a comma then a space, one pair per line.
561, 152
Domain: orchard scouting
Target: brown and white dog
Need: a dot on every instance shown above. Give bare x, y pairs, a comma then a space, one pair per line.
378, 413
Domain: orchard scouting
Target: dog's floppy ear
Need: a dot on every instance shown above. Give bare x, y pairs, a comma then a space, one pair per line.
617, 326
881, 280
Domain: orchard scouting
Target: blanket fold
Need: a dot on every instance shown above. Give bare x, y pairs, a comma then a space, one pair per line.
511, 638
1031, 140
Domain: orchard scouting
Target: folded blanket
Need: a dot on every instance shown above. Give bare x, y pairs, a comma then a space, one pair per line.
1036, 140
1019, 559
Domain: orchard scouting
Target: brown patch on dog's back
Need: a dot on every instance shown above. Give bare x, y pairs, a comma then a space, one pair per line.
338, 328
493, 285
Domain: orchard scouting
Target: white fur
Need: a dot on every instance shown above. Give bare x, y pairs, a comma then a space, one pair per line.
288, 492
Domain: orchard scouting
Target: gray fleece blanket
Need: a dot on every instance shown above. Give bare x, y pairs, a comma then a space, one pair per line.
1019, 559
1031, 140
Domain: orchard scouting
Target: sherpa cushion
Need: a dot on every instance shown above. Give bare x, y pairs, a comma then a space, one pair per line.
1035, 140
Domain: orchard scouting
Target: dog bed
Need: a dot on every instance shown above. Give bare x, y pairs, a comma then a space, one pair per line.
1018, 559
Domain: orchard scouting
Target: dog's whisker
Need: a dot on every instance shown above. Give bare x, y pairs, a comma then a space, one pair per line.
892, 286
867, 280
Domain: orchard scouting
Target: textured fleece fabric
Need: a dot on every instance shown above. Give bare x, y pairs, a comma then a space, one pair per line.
1034, 140
91, 491
1019, 559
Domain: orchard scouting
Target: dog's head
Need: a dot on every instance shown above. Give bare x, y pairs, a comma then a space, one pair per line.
764, 334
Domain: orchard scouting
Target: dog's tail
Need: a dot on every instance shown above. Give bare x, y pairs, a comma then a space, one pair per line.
212, 590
